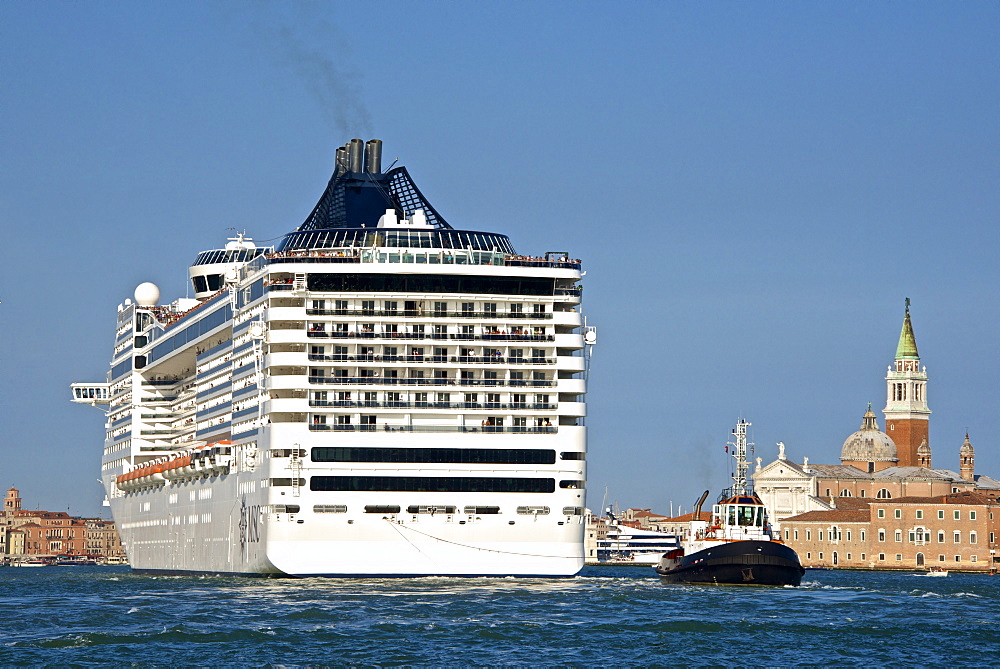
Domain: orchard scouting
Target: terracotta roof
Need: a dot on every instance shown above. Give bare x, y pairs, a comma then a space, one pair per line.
967, 497
833, 516
838, 471
849, 502
42, 514
917, 473
706, 514
644, 513
987, 482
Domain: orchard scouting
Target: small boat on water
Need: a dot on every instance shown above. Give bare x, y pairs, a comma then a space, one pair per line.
34, 562
734, 546
78, 561
632, 545
936, 571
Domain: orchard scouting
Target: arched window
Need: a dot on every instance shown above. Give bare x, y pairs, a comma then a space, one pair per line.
845, 493
883, 494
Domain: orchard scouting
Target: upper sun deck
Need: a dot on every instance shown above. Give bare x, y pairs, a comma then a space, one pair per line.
367, 217
417, 256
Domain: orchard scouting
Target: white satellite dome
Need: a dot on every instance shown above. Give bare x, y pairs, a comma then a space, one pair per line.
147, 294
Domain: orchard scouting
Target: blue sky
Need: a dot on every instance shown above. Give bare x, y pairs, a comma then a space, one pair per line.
754, 189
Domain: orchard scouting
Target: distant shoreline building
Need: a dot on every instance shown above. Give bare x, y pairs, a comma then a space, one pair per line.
56, 533
887, 472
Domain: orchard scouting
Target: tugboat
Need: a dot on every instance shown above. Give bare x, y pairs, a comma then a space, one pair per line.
735, 546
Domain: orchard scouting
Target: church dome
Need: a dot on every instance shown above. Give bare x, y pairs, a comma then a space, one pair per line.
869, 444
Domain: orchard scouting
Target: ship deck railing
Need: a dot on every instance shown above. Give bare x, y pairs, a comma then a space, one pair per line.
394, 381
433, 313
436, 257
491, 429
464, 359
370, 404
363, 334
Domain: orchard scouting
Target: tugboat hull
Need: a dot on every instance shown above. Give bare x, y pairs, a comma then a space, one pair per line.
737, 563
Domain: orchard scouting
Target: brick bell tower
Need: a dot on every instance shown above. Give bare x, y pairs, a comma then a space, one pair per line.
907, 418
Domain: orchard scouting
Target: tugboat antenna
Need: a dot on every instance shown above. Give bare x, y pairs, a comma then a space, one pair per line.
740, 444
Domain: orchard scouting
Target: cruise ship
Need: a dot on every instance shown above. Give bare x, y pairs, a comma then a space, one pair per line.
378, 394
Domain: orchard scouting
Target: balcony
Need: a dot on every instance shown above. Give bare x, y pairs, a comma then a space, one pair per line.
369, 334
394, 381
431, 313
491, 406
485, 429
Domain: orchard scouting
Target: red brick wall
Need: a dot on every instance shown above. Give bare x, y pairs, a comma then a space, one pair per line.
908, 434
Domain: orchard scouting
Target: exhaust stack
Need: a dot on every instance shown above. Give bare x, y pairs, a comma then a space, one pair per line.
356, 148
697, 506
373, 156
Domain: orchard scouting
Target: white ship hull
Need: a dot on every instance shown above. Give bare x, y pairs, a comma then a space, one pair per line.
386, 398
226, 524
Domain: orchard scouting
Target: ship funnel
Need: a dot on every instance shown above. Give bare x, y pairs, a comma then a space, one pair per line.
357, 148
373, 156
343, 163
697, 506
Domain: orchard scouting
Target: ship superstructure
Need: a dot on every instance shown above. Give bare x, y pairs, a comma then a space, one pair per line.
378, 394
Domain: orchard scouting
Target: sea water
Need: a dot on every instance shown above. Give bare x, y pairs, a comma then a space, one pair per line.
605, 616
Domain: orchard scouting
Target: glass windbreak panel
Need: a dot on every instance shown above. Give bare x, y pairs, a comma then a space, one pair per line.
492, 456
361, 238
430, 484
430, 283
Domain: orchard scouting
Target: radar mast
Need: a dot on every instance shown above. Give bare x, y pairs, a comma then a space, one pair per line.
739, 446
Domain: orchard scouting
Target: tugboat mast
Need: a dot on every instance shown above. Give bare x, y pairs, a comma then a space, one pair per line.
739, 444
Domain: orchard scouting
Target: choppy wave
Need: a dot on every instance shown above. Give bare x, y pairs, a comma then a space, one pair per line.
614, 615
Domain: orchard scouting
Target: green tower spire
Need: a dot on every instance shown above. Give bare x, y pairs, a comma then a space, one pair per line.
907, 347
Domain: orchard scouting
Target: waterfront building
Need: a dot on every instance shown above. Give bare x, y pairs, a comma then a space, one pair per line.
103, 540
24, 532
955, 531
874, 464
868, 511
